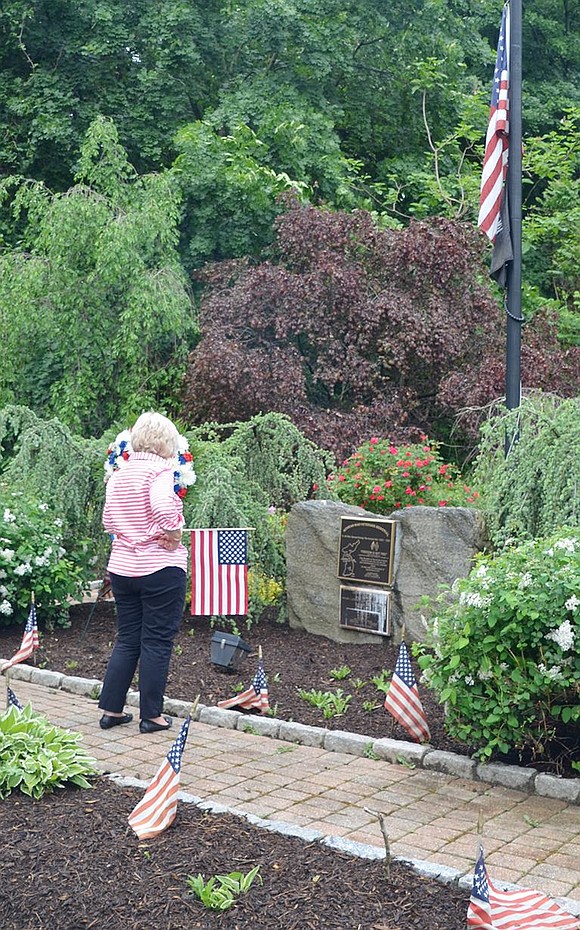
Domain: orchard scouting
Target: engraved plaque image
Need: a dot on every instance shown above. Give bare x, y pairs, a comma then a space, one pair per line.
366, 609
366, 550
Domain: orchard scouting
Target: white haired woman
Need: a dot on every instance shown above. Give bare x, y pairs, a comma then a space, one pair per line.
147, 568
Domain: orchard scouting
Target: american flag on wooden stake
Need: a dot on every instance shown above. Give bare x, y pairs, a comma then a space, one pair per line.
496, 141
490, 909
403, 702
157, 808
256, 696
219, 572
29, 643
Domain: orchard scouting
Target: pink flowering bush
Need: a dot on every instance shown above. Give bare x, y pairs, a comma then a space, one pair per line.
383, 476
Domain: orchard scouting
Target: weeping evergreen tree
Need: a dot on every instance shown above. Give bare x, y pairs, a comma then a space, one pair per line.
96, 318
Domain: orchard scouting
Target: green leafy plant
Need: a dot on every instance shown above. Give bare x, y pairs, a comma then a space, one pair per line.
339, 674
369, 706
33, 560
178, 649
369, 752
503, 652
382, 477
219, 892
331, 703
382, 682
37, 757
358, 683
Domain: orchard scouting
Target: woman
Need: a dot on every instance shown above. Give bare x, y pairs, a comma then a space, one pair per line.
147, 567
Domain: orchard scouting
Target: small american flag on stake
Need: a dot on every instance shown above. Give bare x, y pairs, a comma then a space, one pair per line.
256, 696
157, 808
403, 702
496, 141
219, 572
11, 699
30, 640
523, 909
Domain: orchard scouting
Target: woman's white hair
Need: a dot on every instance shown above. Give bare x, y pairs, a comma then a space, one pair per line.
155, 433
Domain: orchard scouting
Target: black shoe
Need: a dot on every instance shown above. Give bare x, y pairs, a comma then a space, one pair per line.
149, 726
107, 721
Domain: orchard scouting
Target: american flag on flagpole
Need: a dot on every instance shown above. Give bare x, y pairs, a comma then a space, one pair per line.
29, 643
256, 696
403, 702
11, 699
219, 572
490, 909
496, 141
157, 808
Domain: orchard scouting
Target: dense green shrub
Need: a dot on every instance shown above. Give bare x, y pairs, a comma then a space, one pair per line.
383, 476
36, 757
250, 474
34, 561
505, 656
536, 488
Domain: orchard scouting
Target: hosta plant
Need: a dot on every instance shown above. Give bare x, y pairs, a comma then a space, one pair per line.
36, 757
503, 650
382, 476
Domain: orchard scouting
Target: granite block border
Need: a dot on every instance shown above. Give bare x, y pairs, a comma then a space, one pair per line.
396, 751
441, 873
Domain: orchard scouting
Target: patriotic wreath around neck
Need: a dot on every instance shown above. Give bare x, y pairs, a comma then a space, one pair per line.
183, 474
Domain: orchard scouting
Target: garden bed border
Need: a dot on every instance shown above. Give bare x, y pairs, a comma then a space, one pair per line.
417, 755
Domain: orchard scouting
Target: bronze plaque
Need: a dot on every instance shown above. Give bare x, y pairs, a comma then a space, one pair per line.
366, 609
366, 550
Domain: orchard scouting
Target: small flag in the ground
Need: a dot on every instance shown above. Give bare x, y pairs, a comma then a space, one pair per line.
403, 702
12, 700
496, 141
29, 642
157, 808
256, 696
219, 572
523, 909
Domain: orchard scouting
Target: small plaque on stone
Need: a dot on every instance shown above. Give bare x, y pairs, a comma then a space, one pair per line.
366, 550
366, 609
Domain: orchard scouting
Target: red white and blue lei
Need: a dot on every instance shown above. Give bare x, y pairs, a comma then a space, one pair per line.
184, 476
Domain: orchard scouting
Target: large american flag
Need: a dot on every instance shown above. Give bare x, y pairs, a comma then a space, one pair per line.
157, 808
256, 696
219, 572
29, 643
490, 909
496, 141
403, 702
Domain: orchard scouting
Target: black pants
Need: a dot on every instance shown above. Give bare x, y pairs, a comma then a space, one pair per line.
149, 610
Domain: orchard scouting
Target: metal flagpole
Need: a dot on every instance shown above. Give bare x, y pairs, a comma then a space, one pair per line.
514, 187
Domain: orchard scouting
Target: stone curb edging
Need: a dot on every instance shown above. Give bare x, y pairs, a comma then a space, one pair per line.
441, 873
390, 750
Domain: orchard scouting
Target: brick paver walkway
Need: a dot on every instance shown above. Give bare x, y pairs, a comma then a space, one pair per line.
529, 840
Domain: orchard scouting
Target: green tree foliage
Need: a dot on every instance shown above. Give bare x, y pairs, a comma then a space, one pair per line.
95, 314
536, 488
149, 67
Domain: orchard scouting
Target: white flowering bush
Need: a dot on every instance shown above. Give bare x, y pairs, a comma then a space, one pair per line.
503, 651
34, 560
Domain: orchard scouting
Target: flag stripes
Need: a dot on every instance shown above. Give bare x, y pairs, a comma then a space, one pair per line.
219, 572
496, 142
403, 701
157, 808
522, 909
256, 696
30, 641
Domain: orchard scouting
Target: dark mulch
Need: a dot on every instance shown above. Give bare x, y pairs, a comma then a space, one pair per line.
293, 660
69, 862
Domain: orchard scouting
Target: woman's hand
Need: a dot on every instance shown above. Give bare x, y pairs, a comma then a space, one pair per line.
170, 539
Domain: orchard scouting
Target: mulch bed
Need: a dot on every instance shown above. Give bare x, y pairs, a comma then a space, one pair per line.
69, 862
